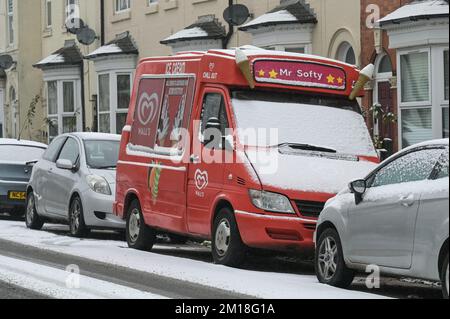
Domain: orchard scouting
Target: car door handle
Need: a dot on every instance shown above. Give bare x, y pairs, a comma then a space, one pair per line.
194, 159
407, 201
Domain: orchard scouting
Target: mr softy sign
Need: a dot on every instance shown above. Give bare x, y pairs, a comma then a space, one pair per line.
299, 73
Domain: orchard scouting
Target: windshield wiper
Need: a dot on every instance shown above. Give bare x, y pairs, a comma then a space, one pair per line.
308, 147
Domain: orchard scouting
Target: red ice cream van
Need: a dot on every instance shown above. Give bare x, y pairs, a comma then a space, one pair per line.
241, 147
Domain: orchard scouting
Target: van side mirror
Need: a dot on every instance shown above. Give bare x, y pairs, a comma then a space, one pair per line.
358, 188
65, 164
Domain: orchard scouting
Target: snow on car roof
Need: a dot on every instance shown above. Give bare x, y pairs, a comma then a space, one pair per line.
96, 136
444, 141
8, 141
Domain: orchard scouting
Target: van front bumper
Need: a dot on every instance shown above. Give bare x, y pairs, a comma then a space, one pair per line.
276, 232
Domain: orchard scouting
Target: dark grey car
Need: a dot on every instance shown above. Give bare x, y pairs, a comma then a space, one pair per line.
16, 163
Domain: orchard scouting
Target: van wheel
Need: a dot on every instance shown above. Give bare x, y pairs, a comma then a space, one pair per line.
139, 235
227, 246
32, 219
444, 276
330, 265
76, 219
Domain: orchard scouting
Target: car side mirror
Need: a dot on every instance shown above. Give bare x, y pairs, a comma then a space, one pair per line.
65, 164
358, 188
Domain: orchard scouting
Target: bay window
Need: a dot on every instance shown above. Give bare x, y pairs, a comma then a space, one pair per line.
415, 77
114, 91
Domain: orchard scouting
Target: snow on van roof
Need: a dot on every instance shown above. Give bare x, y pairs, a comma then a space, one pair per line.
8, 141
417, 10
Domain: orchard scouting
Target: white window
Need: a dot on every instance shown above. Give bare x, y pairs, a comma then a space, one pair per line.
122, 5
10, 21
415, 77
445, 104
63, 113
152, 2
114, 91
346, 53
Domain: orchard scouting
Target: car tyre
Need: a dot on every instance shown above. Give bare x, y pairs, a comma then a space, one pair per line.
227, 246
77, 224
444, 277
329, 261
139, 236
32, 219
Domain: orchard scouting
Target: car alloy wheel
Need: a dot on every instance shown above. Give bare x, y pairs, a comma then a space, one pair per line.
30, 209
75, 217
134, 225
328, 256
223, 237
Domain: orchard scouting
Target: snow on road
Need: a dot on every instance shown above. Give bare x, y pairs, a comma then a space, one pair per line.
60, 284
253, 283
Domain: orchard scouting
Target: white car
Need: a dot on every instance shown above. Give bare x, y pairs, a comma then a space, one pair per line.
74, 183
396, 219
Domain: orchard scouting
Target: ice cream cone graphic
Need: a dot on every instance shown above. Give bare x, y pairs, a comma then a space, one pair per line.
365, 76
154, 176
244, 65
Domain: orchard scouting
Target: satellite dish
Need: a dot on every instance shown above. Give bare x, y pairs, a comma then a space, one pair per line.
86, 36
6, 61
237, 14
73, 25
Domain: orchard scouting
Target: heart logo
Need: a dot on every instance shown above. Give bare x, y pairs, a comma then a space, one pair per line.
201, 179
147, 108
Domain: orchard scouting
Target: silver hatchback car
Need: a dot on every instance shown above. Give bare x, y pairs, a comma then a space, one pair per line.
74, 183
396, 219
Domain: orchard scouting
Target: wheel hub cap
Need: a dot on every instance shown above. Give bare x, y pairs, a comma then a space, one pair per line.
223, 237
134, 225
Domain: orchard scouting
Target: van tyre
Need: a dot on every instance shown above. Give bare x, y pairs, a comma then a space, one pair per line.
139, 235
76, 219
329, 261
227, 246
32, 219
444, 277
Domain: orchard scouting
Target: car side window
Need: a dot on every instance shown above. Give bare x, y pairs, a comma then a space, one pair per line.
53, 149
412, 167
442, 166
214, 107
70, 151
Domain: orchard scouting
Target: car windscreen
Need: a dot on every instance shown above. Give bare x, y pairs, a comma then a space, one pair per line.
20, 153
102, 154
311, 121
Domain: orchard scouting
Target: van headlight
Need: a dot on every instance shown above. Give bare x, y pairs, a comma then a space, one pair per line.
98, 184
271, 202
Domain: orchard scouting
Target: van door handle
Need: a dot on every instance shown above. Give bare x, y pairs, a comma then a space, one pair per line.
407, 201
194, 159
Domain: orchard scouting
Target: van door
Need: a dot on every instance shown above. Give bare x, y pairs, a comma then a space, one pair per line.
206, 171
160, 134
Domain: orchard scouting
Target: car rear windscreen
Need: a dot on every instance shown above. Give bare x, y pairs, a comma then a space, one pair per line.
19, 153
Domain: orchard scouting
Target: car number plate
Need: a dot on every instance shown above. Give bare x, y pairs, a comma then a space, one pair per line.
17, 195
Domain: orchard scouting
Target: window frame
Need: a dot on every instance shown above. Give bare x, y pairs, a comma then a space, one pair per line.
11, 36
113, 98
119, 11
48, 15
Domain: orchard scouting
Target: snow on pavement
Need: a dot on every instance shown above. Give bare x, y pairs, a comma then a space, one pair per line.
253, 283
60, 284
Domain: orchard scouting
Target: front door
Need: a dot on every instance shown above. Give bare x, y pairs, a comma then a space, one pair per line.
381, 228
206, 171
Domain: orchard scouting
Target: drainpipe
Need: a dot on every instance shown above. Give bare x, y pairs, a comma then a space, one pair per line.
102, 22
230, 33
83, 104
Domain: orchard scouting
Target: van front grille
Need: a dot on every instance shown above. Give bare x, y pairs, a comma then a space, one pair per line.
310, 209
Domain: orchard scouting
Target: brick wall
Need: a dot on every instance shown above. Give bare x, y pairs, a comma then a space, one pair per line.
369, 55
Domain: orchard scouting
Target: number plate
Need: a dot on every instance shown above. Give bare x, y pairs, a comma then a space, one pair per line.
17, 195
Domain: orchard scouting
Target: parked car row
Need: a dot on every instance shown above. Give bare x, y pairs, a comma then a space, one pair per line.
171, 172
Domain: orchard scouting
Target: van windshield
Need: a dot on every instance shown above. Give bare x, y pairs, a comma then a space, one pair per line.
305, 122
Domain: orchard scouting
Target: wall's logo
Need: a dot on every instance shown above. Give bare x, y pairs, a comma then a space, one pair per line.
201, 179
147, 108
